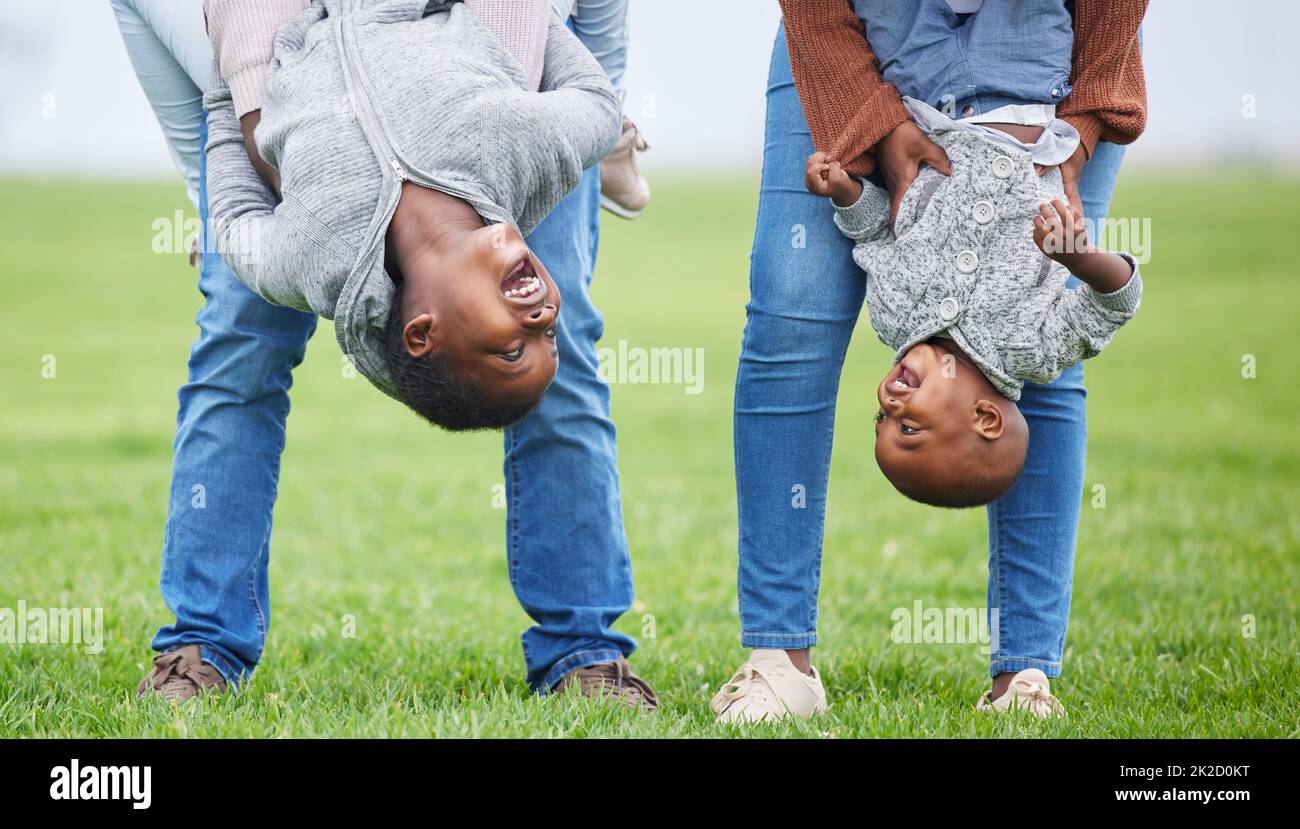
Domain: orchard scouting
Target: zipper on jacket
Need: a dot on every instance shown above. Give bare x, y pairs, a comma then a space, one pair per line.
356, 71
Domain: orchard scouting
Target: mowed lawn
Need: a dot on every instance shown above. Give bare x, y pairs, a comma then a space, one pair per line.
1187, 582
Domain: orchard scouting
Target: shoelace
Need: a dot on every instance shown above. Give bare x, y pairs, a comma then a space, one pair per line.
172, 672
620, 681
1036, 698
638, 141
741, 686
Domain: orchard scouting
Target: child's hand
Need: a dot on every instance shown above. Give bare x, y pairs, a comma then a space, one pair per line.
1060, 232
1063, 236
827, 178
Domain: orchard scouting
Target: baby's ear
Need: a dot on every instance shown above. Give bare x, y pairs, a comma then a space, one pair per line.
987, 419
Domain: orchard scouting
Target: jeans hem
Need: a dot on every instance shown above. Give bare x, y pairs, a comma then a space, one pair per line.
781, 641
572, 662
235, 677
1014, 664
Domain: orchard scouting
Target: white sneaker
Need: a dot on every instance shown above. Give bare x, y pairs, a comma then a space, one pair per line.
1029, 691
768, 688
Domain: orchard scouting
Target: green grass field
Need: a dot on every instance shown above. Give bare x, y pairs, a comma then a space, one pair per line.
1201, 525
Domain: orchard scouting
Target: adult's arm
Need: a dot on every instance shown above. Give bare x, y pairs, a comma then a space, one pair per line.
848, 105
242, 34
521, 26
855, 116
1108, 101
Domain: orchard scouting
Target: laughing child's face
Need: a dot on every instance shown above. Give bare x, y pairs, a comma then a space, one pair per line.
489, 306
469, 340
944, 435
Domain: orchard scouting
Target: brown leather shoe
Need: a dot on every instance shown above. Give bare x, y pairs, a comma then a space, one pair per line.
611, 680
180, 674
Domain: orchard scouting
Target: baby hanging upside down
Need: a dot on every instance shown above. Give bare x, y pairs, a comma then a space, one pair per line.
971, 294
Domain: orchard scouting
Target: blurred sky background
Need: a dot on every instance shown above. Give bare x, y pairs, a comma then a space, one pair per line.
695, 84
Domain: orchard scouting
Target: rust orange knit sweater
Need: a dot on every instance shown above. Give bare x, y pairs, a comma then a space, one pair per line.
849, 107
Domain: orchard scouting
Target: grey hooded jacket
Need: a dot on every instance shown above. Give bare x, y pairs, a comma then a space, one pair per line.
362, 95
964, 265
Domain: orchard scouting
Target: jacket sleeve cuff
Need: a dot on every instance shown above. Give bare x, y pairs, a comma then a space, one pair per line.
1126, 299
1090, 128
248, 89
865, 213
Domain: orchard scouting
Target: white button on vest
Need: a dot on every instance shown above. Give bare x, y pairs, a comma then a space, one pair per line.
967, 111
983, 212
948, 309
967, 261
1002, 166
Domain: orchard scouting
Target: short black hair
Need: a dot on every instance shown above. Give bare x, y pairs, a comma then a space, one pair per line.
989, 473
431, 387
969, 492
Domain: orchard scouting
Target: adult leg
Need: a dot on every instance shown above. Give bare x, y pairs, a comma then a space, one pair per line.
230, 424
171, 56
229, 437
568, 553
1032, 528
805, 297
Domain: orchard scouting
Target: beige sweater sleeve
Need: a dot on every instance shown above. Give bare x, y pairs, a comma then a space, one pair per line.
521, 27
242, 33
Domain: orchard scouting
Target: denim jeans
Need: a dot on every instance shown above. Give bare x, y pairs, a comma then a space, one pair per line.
804, 303
1009, 52
568, 553
170, 53
601, 25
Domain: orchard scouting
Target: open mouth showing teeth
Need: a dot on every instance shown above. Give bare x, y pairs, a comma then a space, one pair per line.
904, 379
522, 281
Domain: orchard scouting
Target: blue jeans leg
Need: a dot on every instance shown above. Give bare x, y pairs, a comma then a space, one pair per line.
568, 553
805, 296
170, 52
229, 437
1032, 528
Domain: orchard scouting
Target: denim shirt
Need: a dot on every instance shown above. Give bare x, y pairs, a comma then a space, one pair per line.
967, 64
